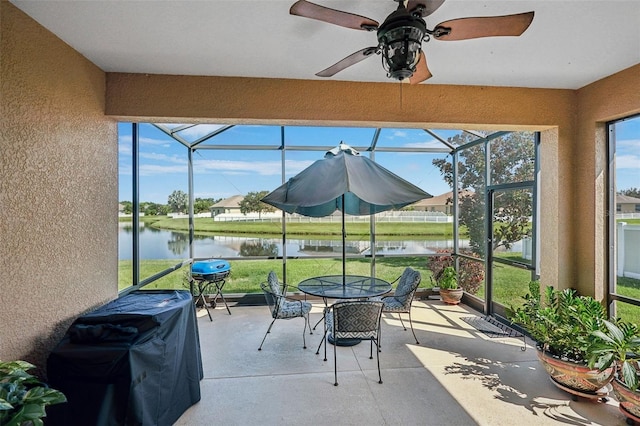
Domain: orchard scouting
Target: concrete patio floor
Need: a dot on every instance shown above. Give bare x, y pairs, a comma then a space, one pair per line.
456, 376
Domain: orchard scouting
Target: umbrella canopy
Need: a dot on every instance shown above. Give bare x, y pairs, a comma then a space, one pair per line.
344, 176
346, 181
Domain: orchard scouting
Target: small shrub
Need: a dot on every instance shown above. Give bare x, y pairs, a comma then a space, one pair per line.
561, 322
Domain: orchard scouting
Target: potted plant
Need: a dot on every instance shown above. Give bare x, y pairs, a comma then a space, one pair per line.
562, 323
448, 284
470, 272
23, 397
619, 346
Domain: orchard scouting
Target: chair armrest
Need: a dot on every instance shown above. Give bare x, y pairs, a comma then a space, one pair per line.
290, 299
400, 294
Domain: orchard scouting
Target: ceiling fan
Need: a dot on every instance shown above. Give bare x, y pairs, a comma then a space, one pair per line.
402, 33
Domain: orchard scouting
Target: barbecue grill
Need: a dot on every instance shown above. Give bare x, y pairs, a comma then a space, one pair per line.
210, 275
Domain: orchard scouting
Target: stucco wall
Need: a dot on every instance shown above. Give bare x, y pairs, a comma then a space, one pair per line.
611, 98
58, 188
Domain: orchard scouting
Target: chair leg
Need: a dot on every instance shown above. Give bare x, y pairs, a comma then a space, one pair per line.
320, 345
335, 360
411, 324
314, 327
402, 322
265, 334
378, 357
306, 321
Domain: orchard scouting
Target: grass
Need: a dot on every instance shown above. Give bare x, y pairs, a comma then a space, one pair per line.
205, 226
246, 275
510, 283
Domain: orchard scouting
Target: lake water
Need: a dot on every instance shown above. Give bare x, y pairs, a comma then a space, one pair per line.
161, 244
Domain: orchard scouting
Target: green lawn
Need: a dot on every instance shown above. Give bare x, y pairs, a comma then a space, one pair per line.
246, 275
207, 226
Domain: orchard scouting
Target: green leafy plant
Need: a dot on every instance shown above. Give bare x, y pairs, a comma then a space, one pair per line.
23, 397
448, 279
470, 272
561, 322
620, 346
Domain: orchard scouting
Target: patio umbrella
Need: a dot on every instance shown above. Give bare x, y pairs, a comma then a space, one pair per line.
346, 181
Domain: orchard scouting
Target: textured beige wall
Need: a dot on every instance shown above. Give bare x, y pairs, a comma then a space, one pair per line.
58, 188
244, 100
614, 97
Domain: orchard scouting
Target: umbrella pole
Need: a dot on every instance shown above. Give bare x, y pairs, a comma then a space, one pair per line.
344, 250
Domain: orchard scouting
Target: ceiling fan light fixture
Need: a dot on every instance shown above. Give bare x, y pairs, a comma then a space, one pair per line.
401, 43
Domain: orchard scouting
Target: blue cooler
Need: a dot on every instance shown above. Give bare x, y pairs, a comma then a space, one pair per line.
210, 270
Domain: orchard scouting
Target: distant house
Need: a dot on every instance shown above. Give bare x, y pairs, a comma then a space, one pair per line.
442, 203
627, 204
228, 205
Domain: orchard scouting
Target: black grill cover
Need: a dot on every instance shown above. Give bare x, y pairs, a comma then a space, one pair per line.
133, 361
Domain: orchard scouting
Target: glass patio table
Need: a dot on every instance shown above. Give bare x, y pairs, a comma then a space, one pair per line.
353, 287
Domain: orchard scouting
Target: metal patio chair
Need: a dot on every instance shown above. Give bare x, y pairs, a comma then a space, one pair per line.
400, 302
282, 307
357, 319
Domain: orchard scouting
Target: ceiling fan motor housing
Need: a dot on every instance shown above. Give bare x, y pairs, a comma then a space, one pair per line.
400, 37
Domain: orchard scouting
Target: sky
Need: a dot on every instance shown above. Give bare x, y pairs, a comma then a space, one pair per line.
224, 173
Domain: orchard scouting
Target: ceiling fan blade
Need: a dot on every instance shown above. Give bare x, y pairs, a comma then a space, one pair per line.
422, 72
428, 6
489, 26
352, 59
332, 16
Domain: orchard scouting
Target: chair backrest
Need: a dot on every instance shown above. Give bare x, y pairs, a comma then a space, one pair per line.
407, 286
356, 319
272, 293
274, 284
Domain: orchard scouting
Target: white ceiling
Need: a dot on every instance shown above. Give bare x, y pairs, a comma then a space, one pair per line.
570, 43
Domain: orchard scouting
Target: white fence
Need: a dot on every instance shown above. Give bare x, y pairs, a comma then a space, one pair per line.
394, 216
628, 246
627, 215
186, 216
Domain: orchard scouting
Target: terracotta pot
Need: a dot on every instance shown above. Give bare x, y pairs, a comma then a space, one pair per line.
629, 400
451, 296
577, 377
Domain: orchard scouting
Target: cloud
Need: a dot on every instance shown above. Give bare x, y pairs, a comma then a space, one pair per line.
433, 143
628, 162
263, 168
628, 144
397, 134
128, 141
196, 132
235, 167
154, 142
162, 157
155, 169
124, 149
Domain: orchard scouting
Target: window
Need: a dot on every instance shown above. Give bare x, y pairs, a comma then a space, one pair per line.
624, 226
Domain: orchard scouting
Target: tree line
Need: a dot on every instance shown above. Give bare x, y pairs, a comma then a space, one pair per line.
177, 202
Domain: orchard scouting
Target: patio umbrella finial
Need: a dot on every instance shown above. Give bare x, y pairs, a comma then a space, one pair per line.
342, 147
